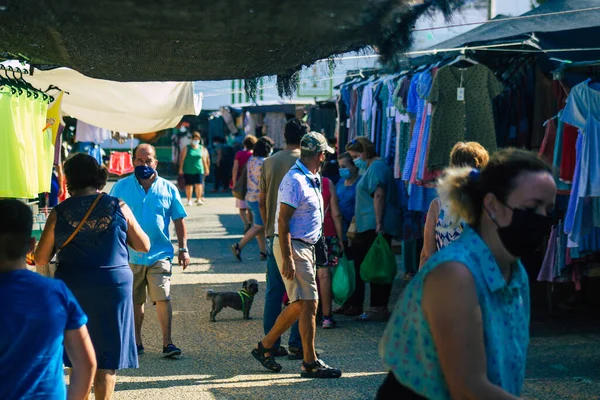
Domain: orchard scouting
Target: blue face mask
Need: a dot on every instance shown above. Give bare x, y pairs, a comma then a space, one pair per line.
345, 173
144, 172
360, 163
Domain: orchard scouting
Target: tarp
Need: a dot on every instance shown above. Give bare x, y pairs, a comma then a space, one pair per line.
134, 107
562, 29
190, 40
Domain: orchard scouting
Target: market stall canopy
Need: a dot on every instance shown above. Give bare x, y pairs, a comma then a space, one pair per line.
133, 107
203, 40
565, 29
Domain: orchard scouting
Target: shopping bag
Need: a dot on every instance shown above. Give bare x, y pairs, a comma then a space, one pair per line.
343, 281
379, 266
241, 186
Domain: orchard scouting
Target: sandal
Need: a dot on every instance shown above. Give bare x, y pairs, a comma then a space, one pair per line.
263, 256
281, 352
320, 370
266, 361
237, 252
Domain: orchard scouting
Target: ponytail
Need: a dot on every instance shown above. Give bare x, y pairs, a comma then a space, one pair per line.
458, 189
463, 189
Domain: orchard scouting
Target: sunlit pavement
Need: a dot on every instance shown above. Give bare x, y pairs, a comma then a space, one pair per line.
563, 363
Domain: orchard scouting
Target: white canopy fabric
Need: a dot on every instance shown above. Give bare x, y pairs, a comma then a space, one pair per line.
136, 107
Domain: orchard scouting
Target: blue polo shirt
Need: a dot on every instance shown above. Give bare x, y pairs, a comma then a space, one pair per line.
301, 190
154, 211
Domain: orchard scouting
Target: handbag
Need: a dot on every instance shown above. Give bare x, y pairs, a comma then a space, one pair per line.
321, 251
81, 223
241, 186
351, 234
181, 182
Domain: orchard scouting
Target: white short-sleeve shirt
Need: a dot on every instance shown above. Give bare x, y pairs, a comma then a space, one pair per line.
301, 190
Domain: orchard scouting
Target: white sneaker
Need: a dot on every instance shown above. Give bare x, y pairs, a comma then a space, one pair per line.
200, 202
190, 203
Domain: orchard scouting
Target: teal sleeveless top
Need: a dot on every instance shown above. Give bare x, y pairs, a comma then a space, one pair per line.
407, 346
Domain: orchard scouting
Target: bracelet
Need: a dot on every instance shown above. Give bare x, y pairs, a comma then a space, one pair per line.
183, 250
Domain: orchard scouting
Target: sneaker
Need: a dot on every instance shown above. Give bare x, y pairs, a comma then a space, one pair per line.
171, 351
140, 349
329, 323
199, 202
190, 203
353, 311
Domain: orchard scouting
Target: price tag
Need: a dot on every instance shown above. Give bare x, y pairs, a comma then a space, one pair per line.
348, 123
393, 111
460, 94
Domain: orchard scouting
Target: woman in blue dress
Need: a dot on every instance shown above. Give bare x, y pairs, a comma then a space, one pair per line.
461, 327
95, 266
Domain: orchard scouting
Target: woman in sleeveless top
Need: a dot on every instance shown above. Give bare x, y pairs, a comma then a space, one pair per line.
460, 329
441, 227
332, 230
194, 165
95, 265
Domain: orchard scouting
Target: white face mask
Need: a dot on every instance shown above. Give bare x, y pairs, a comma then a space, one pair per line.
195, 142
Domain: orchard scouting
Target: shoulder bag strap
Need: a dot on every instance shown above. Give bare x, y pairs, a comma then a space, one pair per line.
83, 221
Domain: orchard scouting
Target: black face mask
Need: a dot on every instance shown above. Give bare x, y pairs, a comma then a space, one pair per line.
526, 231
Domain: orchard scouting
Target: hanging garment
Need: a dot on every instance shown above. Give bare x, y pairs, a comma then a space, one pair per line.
88, 133
545, 107
120, 163
548, 266
415, 107
567, 165
547, 148
275, 123
469, 120
53, 117
558, 154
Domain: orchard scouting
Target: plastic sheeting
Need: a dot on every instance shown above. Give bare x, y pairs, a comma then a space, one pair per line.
136, 107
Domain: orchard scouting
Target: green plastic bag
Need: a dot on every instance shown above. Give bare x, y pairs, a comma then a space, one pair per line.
379, 266
343, 281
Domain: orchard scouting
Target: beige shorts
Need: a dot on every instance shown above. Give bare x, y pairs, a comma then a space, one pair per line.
304, 284
156, 277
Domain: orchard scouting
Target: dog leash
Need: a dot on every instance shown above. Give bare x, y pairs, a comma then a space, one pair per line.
243, 294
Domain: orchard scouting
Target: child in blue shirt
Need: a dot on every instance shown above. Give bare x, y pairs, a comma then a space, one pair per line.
40, 320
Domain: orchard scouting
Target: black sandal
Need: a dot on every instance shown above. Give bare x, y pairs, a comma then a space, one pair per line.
263, 256
266, 361
237, 252
320, 370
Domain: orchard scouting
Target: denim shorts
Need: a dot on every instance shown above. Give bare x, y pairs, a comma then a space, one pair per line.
254, 207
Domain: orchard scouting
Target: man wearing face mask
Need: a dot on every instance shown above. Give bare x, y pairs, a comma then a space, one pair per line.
299, 227
155, 202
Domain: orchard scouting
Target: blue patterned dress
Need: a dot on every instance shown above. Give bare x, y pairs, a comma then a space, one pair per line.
95, 267
407, 346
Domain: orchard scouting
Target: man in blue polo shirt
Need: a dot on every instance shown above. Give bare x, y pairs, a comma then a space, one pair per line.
298, 227
154, 202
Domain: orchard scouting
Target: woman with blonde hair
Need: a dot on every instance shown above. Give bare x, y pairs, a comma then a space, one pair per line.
460, 329
440, 228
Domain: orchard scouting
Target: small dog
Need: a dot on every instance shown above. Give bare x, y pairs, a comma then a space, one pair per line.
241, 301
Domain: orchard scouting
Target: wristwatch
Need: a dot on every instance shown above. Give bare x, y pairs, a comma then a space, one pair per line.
183, 250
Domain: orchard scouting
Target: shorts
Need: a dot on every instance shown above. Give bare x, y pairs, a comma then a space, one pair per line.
333, 252
156, 277
254, 207
193, 179
304, 284
241, 204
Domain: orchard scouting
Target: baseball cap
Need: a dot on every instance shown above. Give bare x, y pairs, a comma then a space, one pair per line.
315, 142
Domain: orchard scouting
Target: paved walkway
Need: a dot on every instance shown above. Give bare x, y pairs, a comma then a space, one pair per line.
216, 361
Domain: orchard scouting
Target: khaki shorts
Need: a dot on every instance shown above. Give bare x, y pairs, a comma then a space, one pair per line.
157, 277
304, 284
